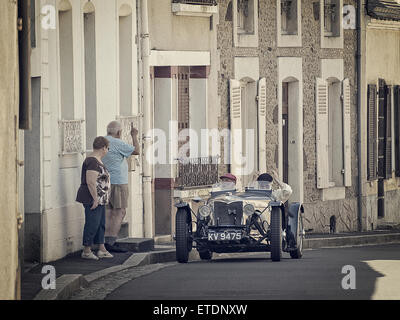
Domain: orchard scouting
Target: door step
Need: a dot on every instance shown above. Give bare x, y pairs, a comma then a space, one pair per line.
163, 239
136, 244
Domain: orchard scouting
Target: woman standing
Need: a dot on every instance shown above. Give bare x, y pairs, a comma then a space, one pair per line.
93, 194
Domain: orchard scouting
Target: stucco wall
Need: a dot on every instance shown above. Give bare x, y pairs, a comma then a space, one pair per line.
171, 32
311, 53
8, 142
382, 62
62, 218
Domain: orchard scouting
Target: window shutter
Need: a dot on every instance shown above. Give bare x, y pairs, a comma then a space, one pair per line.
322, 137
346, 131
396, 93
388, 137
236, 123
262, 109
372, 156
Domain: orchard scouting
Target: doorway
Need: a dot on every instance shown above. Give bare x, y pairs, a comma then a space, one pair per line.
32, 208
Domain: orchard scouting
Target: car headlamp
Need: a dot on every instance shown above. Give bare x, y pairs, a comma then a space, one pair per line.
205, 211
248, 209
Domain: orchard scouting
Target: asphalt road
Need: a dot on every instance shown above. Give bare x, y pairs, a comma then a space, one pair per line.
318, 275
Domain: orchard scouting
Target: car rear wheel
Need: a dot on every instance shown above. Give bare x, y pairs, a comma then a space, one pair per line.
276, 234
298, 253
205, 255
183, 240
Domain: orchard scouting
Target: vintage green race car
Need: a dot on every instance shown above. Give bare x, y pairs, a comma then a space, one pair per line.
232, 221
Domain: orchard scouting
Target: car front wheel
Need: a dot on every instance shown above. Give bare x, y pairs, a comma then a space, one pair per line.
183, 240
276, 234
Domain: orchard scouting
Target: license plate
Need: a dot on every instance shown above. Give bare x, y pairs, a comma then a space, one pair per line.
224, 236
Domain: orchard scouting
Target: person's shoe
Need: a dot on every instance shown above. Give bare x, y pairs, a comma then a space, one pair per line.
104, 254
113, 248
90, 256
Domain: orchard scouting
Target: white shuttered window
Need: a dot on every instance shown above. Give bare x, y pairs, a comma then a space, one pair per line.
262, 109
235, 97
325, 165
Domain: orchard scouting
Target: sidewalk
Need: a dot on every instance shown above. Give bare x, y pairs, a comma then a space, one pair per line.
73, 273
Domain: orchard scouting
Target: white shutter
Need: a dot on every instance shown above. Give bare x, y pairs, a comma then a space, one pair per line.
236, 123
346, 132
322, 133
262, 110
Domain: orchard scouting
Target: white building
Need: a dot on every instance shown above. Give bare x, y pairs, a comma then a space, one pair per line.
95, 61
84, 75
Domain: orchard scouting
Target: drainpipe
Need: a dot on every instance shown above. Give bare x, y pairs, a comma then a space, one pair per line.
359, 118
147, 114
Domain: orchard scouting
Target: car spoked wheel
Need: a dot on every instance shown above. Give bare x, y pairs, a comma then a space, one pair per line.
276, 234
298, 253
183, 239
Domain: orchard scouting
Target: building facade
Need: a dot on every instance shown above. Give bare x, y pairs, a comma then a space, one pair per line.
291, 67
84, 75
273, 81
380, 63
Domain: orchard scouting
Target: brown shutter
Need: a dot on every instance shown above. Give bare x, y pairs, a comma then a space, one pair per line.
396, 93
372, 156
388, 136
381, 129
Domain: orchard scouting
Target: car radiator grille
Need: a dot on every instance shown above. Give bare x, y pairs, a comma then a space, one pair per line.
228, 214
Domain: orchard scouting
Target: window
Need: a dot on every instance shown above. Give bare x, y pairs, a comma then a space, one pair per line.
331, 18
333, 133
248, 133
288, 17
379, 140
89, 26
331, 23
289, 23
33, 24
245, 23
372, 159
125, 61
396, 108
66, 63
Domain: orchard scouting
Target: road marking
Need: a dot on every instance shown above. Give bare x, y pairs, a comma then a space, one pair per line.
387, 287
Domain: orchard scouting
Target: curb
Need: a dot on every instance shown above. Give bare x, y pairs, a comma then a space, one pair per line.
354, 240
68, 284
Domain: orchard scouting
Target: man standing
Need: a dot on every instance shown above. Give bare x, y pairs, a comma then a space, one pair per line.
117, 166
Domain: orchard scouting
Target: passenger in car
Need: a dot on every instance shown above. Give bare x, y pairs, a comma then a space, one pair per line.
284, 191
229, 177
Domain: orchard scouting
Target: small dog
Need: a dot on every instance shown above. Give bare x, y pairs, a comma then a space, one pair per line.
332, 224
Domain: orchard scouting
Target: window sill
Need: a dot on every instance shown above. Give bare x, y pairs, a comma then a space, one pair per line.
181, 9
333, 193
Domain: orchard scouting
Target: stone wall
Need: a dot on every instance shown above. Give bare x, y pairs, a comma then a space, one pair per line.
317, 212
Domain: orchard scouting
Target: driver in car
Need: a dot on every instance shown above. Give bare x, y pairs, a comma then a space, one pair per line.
284, 191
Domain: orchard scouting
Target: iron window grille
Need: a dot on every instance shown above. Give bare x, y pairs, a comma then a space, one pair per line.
197, 2
72, 136
197, 172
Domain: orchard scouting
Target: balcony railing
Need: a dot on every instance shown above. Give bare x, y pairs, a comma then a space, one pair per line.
197, 172
71, 136
197, 2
